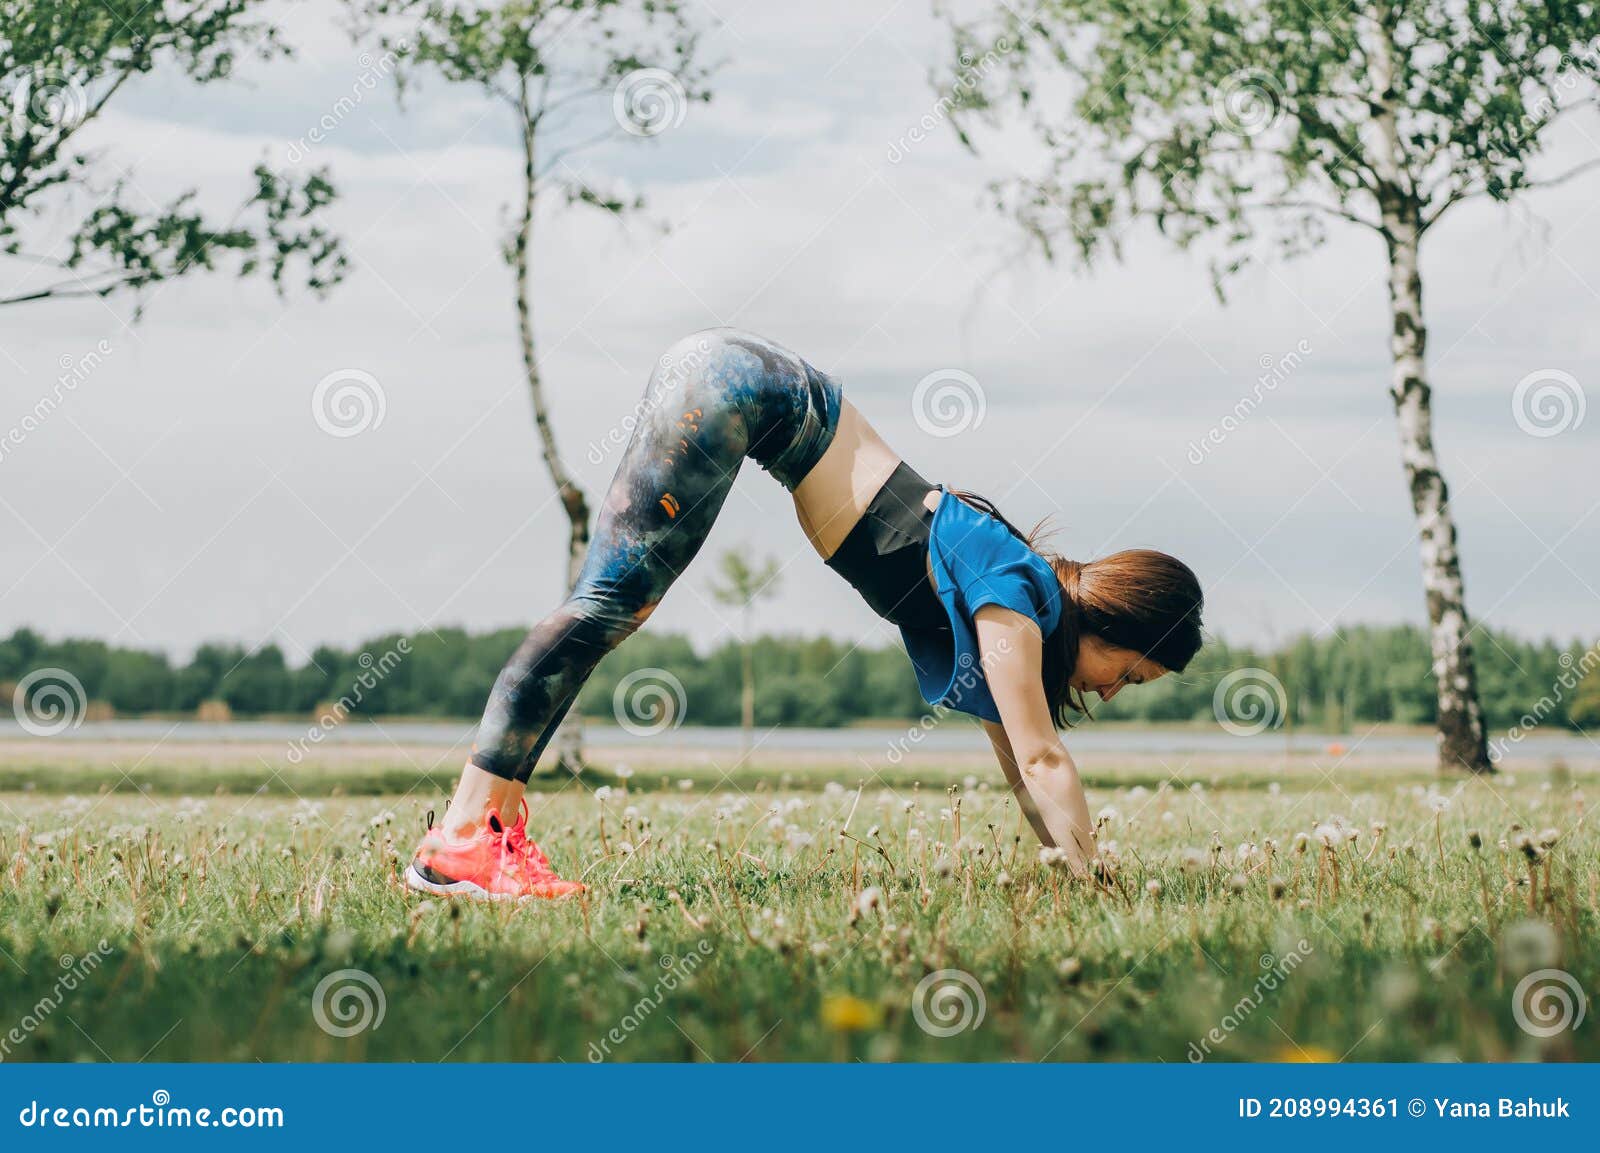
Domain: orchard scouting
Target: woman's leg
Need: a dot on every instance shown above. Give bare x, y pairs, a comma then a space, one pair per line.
715, 398
479, 793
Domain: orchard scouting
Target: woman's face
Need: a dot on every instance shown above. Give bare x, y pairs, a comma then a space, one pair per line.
1105, 669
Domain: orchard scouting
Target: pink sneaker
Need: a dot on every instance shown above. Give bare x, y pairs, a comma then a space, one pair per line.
494, 864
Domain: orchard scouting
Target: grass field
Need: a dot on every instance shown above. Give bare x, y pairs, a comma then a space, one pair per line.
1312, 918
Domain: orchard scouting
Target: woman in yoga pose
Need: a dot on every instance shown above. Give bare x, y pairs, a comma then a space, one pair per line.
994, 627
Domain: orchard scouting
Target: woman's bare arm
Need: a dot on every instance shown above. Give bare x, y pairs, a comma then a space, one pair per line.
1012, 651
1008, 765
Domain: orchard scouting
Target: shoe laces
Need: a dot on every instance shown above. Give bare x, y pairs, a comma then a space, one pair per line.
515, 840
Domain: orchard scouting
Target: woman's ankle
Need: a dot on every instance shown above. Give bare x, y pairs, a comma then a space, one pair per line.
479, 795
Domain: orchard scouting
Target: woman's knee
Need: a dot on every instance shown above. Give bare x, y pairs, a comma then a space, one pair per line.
702, 355
603, 619
727, 355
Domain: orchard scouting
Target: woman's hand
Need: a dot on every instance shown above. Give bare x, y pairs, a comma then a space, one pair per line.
1036, 764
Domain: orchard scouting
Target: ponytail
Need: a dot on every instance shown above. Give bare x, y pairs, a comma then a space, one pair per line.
1137, 599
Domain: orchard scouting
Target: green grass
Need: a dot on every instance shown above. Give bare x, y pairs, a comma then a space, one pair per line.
722, 937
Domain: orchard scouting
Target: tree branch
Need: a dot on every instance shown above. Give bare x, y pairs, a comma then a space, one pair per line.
1313, 206
1577, 170
1472, 192
559, 155
63, 292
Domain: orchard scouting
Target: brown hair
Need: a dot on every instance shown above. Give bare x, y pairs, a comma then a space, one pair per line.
1137, 599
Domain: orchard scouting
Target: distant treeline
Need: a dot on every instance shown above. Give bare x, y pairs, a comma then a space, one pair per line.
1358, 675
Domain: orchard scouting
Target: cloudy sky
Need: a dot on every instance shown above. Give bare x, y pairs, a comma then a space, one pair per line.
185, 492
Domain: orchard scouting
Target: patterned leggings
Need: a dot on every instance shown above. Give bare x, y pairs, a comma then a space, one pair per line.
715, 398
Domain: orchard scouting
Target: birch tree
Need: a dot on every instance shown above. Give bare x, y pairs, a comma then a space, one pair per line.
62, 64
1264, 125
741, 585
569, 75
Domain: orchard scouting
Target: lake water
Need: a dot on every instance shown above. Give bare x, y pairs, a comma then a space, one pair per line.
951, 738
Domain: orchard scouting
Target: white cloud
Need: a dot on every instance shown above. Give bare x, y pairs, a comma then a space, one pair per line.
241, 518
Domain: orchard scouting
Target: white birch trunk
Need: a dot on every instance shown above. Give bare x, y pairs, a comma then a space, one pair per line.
1461, 737
569, 737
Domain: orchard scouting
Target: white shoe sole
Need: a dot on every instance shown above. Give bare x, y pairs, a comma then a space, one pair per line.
466, 890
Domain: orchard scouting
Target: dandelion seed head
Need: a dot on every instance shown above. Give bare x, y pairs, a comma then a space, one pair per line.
868, 900
1397, 989
1529, 945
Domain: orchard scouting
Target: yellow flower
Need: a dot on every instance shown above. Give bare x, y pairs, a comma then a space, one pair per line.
1305, 1054
843, 1013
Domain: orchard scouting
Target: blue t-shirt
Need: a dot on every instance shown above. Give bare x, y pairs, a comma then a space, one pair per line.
976, 561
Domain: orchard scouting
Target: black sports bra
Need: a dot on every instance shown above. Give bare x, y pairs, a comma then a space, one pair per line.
886, 554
